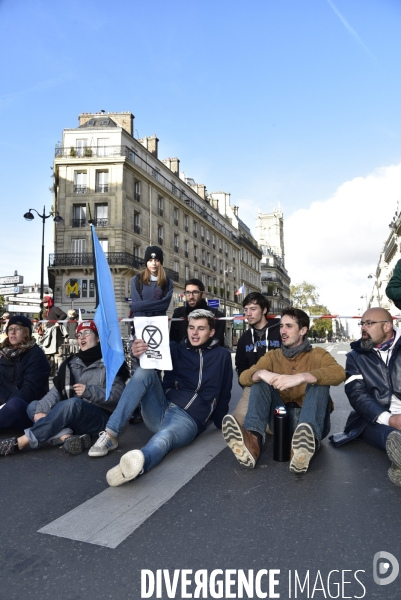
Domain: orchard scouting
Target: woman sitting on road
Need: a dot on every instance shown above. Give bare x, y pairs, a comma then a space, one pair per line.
76, 407
24, 373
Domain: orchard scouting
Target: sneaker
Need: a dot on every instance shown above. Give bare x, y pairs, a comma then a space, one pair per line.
8, 446
302, 448
243, 443
393, 449
131, 465
103, 445
75, 444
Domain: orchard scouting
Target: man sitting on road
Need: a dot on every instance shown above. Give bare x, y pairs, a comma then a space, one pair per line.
178, 409
195, 299
373, 387
263, 335
296, 375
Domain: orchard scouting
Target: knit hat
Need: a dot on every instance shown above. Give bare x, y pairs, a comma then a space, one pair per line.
154, 252
22, 321
87, 325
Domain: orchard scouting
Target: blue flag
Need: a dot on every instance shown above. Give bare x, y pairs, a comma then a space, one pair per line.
106, 318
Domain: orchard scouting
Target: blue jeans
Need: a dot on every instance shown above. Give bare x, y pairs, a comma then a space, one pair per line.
315, 409
13, 414
376, 435
172, 426
79, 415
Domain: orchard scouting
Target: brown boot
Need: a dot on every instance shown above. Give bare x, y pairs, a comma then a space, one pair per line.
243, 443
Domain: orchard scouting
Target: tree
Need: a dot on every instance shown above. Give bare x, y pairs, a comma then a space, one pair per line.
306, 297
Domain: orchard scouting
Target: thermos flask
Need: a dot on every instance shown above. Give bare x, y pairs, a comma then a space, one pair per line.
281, 439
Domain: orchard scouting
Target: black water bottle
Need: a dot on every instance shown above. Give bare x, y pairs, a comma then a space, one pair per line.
281, 440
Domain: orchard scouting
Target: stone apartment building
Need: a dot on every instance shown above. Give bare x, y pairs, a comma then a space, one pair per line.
102, 173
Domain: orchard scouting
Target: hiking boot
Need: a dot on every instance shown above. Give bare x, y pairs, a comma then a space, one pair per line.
75, 444
131, 465
243, 443
104, 444
393, 449
302, 448
8, 446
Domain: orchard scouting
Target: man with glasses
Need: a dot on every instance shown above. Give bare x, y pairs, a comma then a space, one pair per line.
194, 300
373, 387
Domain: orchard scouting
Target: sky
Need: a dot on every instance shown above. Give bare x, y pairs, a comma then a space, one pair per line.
279, 102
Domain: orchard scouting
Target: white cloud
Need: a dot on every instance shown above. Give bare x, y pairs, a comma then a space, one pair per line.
336, 243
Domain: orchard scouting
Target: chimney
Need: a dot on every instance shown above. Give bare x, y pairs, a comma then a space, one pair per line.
175, 166
167, 162
152, 145
235, 210
200, 189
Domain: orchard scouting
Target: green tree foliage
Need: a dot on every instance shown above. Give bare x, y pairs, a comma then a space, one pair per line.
1, 305
306, 297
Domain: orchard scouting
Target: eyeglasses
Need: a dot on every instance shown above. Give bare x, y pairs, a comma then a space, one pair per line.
369, 324
14, 329
84, 333
195, 293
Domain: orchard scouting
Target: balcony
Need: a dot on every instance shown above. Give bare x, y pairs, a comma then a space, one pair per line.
78, 222
195, 234
161, 212
175, 248
137, 196
175, 221
101, 222
244, 241
186, 254
160, 241
102, 188
137, 229
195, 259
186, 228
80, 189
208, 242
85, 259
221, 250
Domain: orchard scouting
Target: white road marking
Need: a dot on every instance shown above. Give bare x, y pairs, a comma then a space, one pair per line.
111, 516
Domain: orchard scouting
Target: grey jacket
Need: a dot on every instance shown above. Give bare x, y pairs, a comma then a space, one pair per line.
94, 378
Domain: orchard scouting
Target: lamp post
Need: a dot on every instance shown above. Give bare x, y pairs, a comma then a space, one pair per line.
370, 276
366, 299
226, 271
57, 219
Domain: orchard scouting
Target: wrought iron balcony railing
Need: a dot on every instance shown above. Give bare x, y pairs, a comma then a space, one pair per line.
80, 189
102, 188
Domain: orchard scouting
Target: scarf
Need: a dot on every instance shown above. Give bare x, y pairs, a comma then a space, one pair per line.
11, 352
292, 352
386, 345
64, 380
90, 355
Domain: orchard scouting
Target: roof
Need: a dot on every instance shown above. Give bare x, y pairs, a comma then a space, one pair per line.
99, 123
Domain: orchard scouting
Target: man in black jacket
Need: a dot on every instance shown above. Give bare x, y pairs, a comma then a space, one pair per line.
263, 335
373, 387
195, 299
196, 391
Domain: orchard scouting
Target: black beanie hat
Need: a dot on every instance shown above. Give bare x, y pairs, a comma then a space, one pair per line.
154, 252
20, 320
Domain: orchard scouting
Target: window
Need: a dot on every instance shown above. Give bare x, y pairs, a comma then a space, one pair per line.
203, 279
79, 215
137, 191
196, 253
208, 259
80, 182
78, 246
82, 147
102, 182
186, 248
226, 249
214, 263
207, 237
136, 252
104, 242
176, 266
160, 234
213, 241
88, 288
175, 243
221, 266
196, 274
203, 257
160, 205
220, 246
195, 229
101, 215
101, 146
175, 213
186, 273
186, 223
137, 224
202, 233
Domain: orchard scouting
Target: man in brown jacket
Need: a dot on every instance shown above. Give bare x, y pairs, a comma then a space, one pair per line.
297, 376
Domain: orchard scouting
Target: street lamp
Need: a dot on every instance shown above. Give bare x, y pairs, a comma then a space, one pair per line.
57, 219
366, 299
370, 276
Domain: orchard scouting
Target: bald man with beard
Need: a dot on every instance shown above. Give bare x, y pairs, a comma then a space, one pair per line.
373, 387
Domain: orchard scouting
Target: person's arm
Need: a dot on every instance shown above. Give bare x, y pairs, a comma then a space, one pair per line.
32, 379
263, 371
393, 289
329, 371
225, 394
241, 360
45, 405
358, 393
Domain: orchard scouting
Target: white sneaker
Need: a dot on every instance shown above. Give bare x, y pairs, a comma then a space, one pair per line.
104, 444
131, 465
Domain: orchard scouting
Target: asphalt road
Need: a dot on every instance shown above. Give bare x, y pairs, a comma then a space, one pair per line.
199, 510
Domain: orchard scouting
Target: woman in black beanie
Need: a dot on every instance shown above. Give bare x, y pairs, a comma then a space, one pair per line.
151, 290
24, 373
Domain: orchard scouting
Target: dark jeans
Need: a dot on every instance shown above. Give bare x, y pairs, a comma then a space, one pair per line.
79, 415
13, 414
376, 435
315, 409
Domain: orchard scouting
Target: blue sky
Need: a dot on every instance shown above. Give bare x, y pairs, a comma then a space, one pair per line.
273, 101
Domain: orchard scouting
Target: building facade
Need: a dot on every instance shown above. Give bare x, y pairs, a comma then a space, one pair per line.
104, 175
